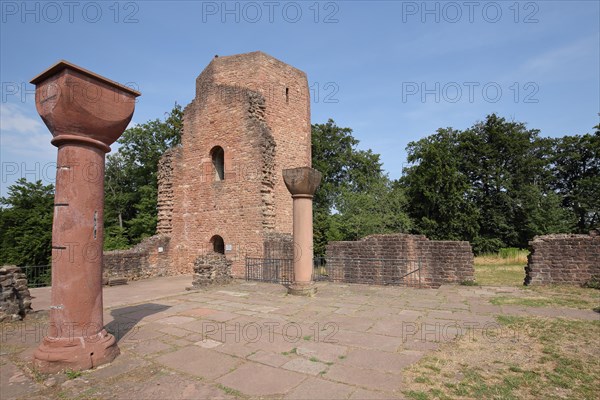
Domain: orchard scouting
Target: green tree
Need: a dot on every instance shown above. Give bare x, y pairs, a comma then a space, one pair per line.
131, 179
508, 167
576, 173
26, 224
380, 209
438, 190
355, 198
489, 184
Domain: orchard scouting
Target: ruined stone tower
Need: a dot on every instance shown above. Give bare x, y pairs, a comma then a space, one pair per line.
222, 190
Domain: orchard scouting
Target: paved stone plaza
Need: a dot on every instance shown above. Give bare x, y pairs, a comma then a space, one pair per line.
252, 340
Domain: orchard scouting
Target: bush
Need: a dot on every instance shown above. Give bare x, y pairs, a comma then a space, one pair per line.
593, 283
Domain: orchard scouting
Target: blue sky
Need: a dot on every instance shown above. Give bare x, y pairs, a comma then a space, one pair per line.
394, 71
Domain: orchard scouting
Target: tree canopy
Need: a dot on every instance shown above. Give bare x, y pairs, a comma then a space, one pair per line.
356, 198
496, 184
26, 224
131, 179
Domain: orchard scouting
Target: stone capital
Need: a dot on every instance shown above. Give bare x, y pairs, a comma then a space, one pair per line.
80, 106
302, 182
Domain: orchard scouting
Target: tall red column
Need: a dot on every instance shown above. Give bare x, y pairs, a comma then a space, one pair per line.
85, 113
302, 184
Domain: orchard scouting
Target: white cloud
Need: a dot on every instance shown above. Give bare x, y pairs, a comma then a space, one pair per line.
22, 136
567, 59
12, 118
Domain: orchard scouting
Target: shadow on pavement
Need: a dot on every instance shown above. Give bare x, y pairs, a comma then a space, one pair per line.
126, 318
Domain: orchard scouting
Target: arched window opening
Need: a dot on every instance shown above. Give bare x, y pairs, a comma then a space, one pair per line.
218, 159
218, 244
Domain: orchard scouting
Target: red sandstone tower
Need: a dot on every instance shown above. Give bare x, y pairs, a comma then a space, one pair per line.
224, 189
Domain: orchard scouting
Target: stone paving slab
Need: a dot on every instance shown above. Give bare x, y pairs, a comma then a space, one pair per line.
327, 352
369, 341
151, 347
197, 361
382, 361
123, 364
310, 367
313, 388
269, 358
366, 378
260, 380
252, 340
362, 394
13, 382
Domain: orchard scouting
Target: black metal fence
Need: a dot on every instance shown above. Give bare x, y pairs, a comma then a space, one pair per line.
373, 271
276, 270
38, 275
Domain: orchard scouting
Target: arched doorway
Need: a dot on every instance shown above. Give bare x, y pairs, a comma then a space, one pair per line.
218, 244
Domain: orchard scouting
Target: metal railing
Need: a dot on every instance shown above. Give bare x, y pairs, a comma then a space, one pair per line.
38, 275
276, 270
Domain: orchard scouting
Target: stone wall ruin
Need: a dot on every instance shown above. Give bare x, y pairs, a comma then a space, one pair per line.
387, 259
565, 259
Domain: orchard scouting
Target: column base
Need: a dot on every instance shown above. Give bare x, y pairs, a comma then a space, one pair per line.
302, 289
77, 353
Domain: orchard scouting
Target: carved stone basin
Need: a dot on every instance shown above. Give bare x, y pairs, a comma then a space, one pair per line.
73, 101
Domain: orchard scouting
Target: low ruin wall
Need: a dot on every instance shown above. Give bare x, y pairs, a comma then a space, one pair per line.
211, 269
148, 259
390, 259
15, 299
563, 259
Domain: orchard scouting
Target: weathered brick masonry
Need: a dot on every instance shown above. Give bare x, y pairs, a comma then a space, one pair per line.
386, 258
222, 188
252, 112
563, 259
147, 259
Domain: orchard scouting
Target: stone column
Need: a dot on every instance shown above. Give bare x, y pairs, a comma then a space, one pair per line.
302, 184
85, 113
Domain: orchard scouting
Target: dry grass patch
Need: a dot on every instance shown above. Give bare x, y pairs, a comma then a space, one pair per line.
553, 296
507, 268
525, 358
507, 256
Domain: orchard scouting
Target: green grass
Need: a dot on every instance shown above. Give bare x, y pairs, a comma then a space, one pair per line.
506, 268
230, 391
292, 351
72, 374
541, 302
499, 275
546, 358
417, 395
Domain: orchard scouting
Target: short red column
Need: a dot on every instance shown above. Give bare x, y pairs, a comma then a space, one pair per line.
85, 113
302, 184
